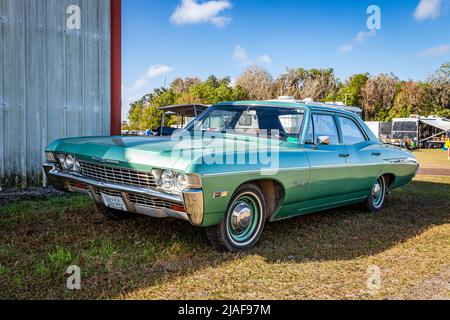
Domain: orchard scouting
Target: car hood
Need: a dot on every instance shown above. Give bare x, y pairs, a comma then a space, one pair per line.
148, 152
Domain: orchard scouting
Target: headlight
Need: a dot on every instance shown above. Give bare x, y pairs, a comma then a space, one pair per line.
167, 179
176, 181
69, 162
181, 181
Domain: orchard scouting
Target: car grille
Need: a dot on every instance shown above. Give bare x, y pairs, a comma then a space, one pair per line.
152, 202
117, 175
142, 201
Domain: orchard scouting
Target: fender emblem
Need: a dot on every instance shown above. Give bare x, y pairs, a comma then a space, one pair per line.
220, 194
298, 184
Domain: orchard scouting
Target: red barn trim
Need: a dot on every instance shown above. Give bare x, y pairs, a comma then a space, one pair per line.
116, 66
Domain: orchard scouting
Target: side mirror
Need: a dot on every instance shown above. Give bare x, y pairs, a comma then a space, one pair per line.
323, 140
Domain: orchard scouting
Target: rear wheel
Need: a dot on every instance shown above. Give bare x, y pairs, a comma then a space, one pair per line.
114, 214
243, 223
375, 201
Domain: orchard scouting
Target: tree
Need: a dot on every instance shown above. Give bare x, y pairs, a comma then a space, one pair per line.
319, 83
180, 85
409, 100
444, 70
351, 91
257, 82
316, 84
378, 95
440, 88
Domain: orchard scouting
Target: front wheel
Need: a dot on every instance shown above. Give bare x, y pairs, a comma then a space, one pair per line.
243, 223
375, 201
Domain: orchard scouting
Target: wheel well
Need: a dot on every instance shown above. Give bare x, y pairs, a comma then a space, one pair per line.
389, 179
273, 193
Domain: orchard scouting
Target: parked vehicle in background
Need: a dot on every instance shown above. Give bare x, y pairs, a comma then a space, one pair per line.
320, 157
183, 113
425, 132
382, 130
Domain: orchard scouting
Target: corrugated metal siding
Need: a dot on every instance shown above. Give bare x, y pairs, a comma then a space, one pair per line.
54, 82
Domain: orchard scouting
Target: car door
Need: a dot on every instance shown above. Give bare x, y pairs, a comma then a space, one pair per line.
365, 156
328, 160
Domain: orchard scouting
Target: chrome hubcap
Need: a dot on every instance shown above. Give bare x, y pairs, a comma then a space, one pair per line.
378, 193
241, 218
376, 190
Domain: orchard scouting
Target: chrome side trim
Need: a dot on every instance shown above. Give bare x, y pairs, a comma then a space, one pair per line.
194, 205
117, 187
254, 171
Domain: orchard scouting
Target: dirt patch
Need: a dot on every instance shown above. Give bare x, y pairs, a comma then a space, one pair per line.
30, 194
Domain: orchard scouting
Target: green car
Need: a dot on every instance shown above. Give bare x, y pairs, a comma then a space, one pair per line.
236, 167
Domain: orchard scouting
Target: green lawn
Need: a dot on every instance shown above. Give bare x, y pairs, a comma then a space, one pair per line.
324, 255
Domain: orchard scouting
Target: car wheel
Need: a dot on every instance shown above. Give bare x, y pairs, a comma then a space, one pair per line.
375, 201
114, 214
243, 223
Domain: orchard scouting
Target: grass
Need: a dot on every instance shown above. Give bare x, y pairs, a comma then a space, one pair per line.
320, 256
432, 158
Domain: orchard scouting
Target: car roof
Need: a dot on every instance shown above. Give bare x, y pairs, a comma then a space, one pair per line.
293, 104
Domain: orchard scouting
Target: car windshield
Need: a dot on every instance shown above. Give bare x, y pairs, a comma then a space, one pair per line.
282, 123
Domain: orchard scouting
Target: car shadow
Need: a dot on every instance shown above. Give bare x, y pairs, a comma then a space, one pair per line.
340, 234
124, 257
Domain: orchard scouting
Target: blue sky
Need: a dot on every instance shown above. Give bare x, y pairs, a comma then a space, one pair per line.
164, 39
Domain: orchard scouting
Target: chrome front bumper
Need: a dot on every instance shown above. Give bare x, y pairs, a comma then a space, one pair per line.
191, 199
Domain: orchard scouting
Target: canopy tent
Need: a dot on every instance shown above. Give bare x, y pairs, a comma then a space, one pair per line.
432, 129
444, 125
186, 110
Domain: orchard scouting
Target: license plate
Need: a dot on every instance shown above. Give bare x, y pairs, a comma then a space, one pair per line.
114, 202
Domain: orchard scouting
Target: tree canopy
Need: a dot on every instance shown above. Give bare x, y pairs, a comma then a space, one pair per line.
382, 97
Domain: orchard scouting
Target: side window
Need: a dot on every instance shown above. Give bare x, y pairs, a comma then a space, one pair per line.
324, 125
248, 120
351, 133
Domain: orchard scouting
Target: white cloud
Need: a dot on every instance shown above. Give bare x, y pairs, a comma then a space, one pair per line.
345, 48
193, 11
152, 72
140, 86
428, 9
242, 56
158, 70
435, 51
360, 37
265, 58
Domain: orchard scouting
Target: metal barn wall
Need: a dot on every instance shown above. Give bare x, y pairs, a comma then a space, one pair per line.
54, 81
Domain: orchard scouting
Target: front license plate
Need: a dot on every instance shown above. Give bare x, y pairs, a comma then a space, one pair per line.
114, 202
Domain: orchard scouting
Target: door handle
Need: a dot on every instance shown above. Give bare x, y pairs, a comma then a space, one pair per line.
376, 154
344, 155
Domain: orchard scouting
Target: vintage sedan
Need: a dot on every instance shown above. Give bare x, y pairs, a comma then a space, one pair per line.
236, 167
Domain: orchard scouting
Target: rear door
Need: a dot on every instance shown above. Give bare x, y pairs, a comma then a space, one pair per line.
329, 170
365, 157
